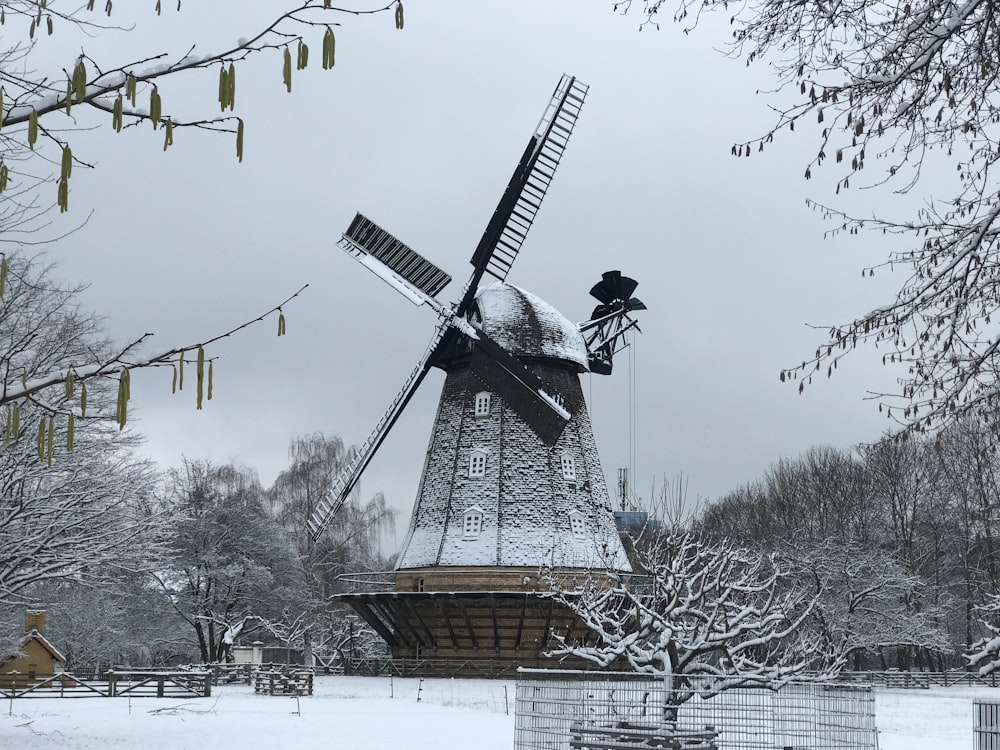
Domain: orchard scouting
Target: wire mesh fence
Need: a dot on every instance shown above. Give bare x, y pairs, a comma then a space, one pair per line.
987, 726
616, 711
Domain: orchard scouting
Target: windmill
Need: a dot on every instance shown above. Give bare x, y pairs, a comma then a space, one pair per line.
512, 481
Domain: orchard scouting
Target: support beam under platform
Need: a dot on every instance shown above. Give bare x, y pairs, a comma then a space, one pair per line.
517, 624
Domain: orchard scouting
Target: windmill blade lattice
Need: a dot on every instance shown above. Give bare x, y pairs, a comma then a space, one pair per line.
419, 280
341, 489
401, 267
519, 204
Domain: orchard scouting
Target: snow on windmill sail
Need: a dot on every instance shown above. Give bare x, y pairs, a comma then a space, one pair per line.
512, 481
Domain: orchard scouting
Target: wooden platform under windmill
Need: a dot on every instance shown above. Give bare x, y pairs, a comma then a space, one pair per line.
512, 484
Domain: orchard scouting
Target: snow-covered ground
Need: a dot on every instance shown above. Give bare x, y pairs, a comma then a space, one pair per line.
936, 719
383, 714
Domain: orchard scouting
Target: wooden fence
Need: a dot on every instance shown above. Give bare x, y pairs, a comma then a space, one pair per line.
182, 684
243, 674
377, 666
137, 684
287, 680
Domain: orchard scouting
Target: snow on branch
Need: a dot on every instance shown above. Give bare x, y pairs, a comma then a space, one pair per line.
890, 89
695, 609
985, 653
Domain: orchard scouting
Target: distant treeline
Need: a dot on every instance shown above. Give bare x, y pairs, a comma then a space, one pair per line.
900, 536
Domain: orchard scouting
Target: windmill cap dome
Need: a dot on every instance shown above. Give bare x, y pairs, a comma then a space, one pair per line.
529, 327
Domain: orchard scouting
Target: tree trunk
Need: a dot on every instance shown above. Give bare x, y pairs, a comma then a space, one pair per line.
202, 646
307, 649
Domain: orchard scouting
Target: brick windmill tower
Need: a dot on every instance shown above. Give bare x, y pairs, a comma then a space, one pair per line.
512, 483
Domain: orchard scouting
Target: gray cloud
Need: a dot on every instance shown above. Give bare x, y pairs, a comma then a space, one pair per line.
420, 130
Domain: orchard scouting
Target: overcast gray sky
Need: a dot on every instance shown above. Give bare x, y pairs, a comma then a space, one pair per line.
420, 130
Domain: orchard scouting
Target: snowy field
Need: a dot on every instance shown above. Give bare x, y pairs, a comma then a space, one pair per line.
383, 714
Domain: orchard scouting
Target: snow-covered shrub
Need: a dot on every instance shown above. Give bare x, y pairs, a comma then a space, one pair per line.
706, 615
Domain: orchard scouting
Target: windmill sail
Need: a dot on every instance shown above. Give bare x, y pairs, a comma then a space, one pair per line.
397, 264
420, 281
335, 498
516, 211
537, 409
519, 387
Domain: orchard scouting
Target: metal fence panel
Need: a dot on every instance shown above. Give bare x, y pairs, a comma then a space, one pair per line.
571, 711
987, 728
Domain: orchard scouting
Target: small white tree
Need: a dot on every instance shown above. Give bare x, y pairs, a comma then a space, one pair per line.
868, 601
695, 609
230, 564
86, 516
985, 653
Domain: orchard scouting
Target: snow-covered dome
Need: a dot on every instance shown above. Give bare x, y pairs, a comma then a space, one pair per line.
529, 327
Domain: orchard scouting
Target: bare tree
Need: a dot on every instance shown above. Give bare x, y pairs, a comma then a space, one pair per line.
43, 104
695, 609
984, 654
902, 477
131, 623
915, 518
29, 374
822, 493
966, 521
868, 601
894, 88
351, 543
230, 563
89, 514
44, 101
669, 503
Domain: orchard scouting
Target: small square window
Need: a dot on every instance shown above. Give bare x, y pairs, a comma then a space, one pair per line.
477, 464
482, 404
568, 467
472, 524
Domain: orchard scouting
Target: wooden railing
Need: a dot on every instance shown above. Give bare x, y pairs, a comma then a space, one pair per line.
283, 680
138, 684
375, 666
147, 684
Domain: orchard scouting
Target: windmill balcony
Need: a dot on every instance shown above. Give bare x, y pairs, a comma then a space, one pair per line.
471, 579
356, 583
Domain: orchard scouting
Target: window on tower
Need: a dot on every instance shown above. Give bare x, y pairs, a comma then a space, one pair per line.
482, 404
568, 467
477, 464
577, 524
472, 523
